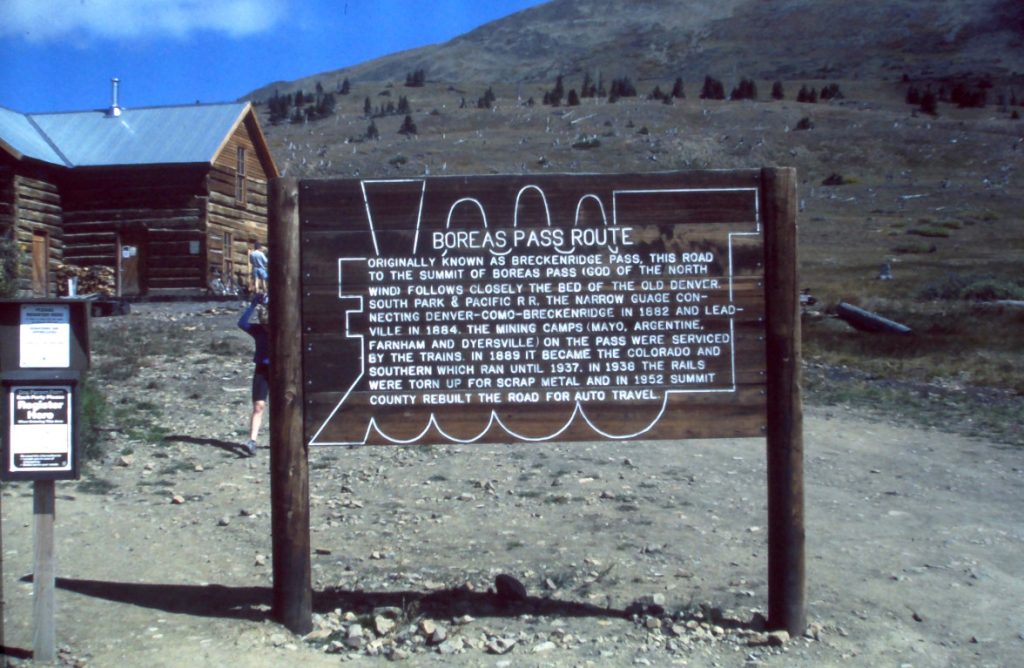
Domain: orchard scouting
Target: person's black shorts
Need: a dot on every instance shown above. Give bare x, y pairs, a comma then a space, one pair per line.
261, 383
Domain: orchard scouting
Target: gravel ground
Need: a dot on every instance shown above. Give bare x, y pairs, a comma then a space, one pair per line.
586, 554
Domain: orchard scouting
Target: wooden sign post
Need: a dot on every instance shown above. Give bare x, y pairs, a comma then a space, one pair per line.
536, 308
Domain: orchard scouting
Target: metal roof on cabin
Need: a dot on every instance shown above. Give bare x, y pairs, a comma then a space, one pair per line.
17, 131
147, 136
154, 135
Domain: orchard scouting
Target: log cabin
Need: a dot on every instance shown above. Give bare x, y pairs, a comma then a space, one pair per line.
167, 197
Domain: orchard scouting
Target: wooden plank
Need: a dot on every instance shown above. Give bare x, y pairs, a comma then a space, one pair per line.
32, 216
289, 467
740, 415
93, 237
230, 213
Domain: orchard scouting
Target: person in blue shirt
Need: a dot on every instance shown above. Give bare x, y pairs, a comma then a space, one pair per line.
258, 259
260, 333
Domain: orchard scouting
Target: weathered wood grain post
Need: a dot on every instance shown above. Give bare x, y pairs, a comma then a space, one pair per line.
44, 573
786, 576
289, 464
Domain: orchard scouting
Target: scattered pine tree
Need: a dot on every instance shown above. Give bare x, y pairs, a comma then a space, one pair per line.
619, 88
929, 103
416, 79
408, 127
746, 90
677, 89
809, 95
488, 99
712, 89
831, 92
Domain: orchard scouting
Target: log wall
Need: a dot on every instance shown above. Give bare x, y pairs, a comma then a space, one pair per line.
245, 221
30, 202
165, 206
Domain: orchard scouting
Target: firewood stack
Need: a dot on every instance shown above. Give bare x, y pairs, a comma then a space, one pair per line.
91, 280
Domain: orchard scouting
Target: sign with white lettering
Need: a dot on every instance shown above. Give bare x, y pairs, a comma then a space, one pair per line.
533, 308
40, 430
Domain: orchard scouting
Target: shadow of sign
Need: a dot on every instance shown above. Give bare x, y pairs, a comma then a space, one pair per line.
253, 603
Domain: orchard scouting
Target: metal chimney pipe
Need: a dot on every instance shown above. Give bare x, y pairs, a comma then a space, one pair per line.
115, 110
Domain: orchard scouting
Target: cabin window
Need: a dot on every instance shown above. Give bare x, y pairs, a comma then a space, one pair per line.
228, 259
240, 177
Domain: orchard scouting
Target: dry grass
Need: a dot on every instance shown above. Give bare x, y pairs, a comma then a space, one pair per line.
932, 197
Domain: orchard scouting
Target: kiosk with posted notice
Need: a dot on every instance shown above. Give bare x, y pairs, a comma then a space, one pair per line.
44, 350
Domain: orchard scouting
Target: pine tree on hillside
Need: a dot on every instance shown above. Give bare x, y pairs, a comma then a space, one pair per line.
588, 89
806, 94
278, 106
677, 89
408, 127
621, 87
554, 97
777, 92
746, 90
929, 103
488, 99
712, 89
325, 107
831, 92
416, 79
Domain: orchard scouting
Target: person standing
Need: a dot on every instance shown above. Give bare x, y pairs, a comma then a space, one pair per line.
258, 260
260, 333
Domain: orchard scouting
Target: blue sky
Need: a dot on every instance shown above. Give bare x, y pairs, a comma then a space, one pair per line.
59, 55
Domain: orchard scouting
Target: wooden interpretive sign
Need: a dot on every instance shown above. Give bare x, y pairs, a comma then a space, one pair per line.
533, 308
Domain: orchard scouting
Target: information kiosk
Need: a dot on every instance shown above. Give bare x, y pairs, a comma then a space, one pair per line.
44, 349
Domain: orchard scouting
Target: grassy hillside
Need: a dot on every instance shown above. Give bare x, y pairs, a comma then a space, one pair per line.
936, 197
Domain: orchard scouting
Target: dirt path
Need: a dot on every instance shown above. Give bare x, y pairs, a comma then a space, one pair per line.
914, 539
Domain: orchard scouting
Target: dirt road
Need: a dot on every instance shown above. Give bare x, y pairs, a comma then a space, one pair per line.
648, 553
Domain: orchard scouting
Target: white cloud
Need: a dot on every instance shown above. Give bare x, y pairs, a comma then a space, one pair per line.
49, 20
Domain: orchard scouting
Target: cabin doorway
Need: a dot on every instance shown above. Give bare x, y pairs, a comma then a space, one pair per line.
130, 256
40, 264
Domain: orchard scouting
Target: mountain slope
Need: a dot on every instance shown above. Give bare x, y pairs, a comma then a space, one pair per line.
658, 39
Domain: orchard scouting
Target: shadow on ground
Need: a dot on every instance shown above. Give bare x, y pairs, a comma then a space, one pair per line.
234, 448
255, 603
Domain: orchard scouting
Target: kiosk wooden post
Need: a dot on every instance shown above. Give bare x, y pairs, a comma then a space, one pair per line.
786, 578
289, 464
44, 628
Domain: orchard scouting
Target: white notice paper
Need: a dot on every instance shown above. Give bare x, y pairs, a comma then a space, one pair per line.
45, 336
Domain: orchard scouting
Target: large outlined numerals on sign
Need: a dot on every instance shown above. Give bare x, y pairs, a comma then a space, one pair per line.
468, 317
